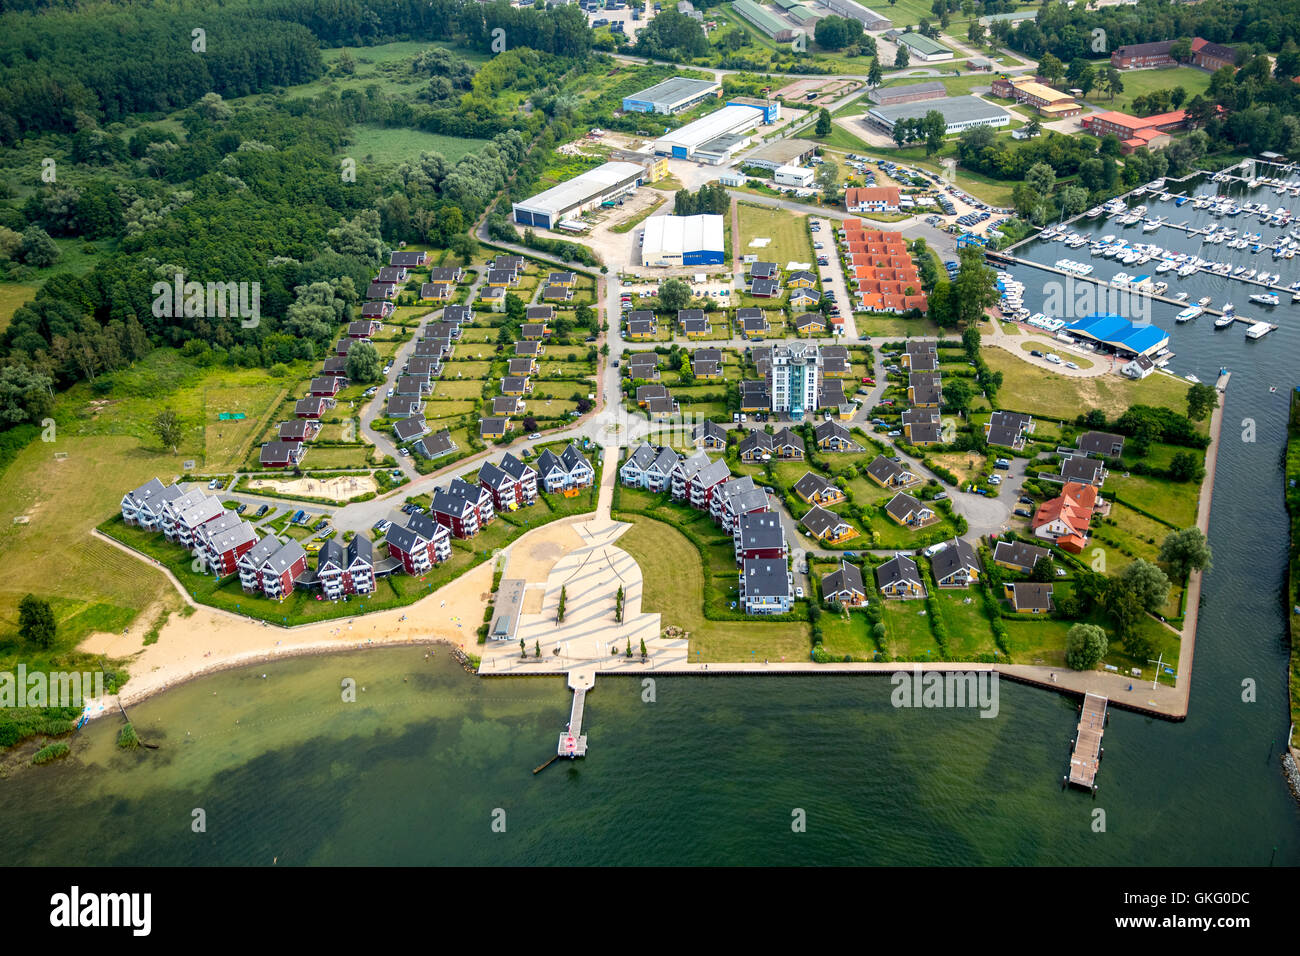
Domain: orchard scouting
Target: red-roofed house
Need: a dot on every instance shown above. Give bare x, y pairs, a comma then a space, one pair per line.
1065, 519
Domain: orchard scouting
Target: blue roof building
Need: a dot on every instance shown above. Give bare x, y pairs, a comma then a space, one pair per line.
1118, 333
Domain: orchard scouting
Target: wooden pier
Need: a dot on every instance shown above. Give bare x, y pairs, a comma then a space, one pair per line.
1085, 759
573, 742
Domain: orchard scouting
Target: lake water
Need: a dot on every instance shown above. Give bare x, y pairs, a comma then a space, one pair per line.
711, 771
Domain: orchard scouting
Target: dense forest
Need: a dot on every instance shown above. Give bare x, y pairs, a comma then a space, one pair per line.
246, 192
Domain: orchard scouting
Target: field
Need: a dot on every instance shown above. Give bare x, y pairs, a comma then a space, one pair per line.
1140, 82
788, 233
228, 443
96, 585
1035, 390
13, 295
382, 145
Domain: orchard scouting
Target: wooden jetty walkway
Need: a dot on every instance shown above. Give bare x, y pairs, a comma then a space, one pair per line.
1086, 756
573, 742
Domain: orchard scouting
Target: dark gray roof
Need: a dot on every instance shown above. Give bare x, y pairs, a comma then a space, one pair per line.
1102, 443
759, 530
766, 577
811, 484
847, 577
515, 468
295, 430
710, 429
899, 569
286, 557
820, 522
436, 445
902, 505
408, 428
1081, 468
1020, 554
958, 555
1030, 594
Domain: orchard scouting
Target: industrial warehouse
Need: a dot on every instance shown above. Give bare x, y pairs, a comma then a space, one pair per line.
959, 112
870, 19
715, 138
923, 48
582, 193
682, 241
672, 96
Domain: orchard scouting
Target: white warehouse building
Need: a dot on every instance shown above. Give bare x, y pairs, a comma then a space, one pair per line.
800, 176
713, 137
580, 194
682, 241
870, 19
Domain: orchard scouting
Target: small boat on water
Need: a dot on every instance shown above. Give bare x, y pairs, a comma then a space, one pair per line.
1189, 313
1227, 308
1265, 298
1223, 321
1182, 296
1160, 288
1258, 330
1203, 301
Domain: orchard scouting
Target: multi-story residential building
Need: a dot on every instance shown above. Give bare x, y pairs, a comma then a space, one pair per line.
346, 570
420, 544
794, 379
702, 486
512, 483
759, 535
251, 562
566, 471
282, 569
462, 507
766, 586
686, 469
739, 496
224, 548
143, 507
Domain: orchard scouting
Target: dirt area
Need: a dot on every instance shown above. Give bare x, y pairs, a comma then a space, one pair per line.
830, 91
333, 489
964, 466
536, 554
532, 602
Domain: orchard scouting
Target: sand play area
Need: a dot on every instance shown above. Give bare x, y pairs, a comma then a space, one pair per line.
332, 489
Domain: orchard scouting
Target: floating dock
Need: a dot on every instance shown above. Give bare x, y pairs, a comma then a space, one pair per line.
1085, 759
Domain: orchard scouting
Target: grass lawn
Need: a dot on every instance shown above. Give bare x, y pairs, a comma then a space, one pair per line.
1028, 388
876, 325
788, 233
383, 145
907, 631
1175, 501
1140, 82
848, 633
969, 632
674, 585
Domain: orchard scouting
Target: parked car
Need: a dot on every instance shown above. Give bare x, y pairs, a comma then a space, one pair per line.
404, 452
1035, 353
798, 592
895, 433
241, 509
995, 479
382, 525
1003, 464
261, 511
941, 496
534, 436
214, 483
327, 533
1024, 513
319, 524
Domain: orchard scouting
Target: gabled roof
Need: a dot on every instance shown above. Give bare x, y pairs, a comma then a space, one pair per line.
821, 522
710, 429
831, 428
436, 445
1031, 595
548, 462
847, 577
492, 476
902, 505
408, 428
285, 558
515, 468
1019, 554
959, 555
330, 555
899, 569
759, 530
642, 456
812, 484
241, 532
712, 473
884, 470
256, 556
1101, 443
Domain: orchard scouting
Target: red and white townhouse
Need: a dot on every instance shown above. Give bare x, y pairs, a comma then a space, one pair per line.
251, 561
143, 507
204, 533
420, 544
739, 496
349, 570
326, 386
190, 518
312, 407
462, 507
282, 569
226, 548
512, 484
363, 329
282, 454
759, 536
686, 469
299, 430
705, 483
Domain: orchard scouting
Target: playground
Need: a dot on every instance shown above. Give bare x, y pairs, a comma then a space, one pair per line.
331, 489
